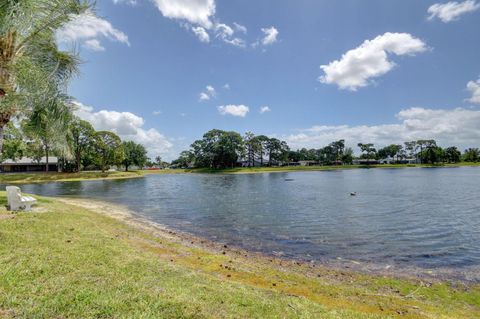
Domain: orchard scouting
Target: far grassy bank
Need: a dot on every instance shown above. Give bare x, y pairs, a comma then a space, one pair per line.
251, 170
42, 177
67, 261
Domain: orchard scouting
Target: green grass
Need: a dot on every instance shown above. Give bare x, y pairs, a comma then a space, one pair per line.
42, 177
252, 170
64, 261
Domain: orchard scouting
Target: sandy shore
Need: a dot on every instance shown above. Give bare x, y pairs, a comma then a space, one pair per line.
129, 217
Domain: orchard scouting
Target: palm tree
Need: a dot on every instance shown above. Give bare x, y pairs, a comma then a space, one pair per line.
29, 56
48, 124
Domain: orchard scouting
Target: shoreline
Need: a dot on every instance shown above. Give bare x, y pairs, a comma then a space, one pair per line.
467, 275
52, 177
91, 258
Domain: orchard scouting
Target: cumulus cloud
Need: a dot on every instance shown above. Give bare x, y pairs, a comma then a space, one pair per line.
88, 29
474, 88
129, 2
452, 10
208, 94
357, 67
234, 110
270, 35
94, 45
196, 12
201, 34
128, 126
459, 127
240, 28
264, 109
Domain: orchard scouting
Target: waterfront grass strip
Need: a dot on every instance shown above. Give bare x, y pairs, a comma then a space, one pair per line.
66, 261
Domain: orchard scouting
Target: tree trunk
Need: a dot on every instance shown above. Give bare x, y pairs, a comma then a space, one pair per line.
78, 159
2, 132
46, 159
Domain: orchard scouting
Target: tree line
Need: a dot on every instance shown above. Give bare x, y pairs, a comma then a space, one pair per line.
36, 114
225, 149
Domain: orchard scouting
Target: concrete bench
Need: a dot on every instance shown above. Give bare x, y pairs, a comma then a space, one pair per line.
16, 201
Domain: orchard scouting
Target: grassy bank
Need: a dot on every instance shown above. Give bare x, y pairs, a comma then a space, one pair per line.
24, 178
65, 261
42, 177
252, 170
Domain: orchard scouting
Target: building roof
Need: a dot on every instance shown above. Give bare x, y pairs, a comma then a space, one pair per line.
30, 161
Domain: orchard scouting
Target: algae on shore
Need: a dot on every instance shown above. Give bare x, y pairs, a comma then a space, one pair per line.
64, 260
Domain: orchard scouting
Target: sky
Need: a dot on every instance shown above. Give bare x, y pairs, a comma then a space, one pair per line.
163, 72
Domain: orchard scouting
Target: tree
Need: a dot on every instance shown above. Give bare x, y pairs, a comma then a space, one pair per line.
218, 149
82, 136
48, 123
368, 150
14, 146
185, 160
134, 154
277, 150
108, 148
393, 151
29, 56
158, 160
347, 157
471, 155
452, 154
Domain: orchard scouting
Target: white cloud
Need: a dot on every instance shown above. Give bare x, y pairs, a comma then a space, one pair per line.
270, 35
226, 86
209, 93
264, 109
128, 126
129, 2
202, 34
459, 127
226, 34
196, 12
358, 66
157, 112
88, 28
474, 88
452, 10
94, 45
240, 28
234, 110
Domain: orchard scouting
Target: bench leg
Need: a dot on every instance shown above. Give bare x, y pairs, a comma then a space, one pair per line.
28, 207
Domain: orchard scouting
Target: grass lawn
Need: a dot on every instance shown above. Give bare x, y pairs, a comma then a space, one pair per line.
42, 177
64, 261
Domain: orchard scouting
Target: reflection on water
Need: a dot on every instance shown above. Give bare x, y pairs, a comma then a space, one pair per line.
416, 217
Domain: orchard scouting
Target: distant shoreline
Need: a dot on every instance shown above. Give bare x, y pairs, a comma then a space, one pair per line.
41, 177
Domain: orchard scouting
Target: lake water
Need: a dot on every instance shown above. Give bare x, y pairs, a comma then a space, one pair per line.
421, 217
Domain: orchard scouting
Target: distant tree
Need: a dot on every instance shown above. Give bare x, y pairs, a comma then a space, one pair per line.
393, 151
276, 150
471, 155
82, 138
108, 147
347, 157
49, 122
158, 160
185, 159
218, 149
369, 152
134, 154
431, 153
14, 146
452, 155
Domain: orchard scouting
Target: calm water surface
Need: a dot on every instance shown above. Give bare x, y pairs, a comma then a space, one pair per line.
422, 217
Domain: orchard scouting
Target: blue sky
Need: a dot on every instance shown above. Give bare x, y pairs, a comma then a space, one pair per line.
147, 62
